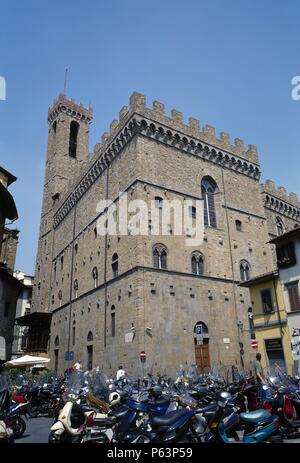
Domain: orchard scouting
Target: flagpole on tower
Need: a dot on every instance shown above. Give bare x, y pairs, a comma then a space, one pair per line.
65, 83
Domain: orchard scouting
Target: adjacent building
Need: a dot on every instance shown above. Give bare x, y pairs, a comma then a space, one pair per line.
10, 286
105, 299
23, 309
268, 324
288, 261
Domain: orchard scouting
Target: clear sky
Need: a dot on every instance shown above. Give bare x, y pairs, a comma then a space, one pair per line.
228, 63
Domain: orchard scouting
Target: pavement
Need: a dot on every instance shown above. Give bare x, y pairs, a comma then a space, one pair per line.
38, 429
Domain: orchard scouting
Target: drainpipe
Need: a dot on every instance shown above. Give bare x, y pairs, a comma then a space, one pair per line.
232, 266
71, 278
278, 313
105, 261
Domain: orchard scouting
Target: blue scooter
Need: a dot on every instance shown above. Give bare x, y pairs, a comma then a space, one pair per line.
259, 425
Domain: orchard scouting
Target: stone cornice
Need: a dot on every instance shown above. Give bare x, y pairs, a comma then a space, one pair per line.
139, 124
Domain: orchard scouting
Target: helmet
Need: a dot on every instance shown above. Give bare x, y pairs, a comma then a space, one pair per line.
114, 398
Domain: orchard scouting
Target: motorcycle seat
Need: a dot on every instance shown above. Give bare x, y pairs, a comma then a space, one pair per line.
255, 416
119, 413
170, 418
162, 401
103, 422
208, 411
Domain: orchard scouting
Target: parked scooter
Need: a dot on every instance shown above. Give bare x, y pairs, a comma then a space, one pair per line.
6, 433
259, 426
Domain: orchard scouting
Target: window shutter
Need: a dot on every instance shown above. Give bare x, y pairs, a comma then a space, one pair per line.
267, 301
294, 297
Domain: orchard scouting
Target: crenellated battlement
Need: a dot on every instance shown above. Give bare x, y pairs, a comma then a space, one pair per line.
280, 200
137, 104
280, 193
78, 111
172, 131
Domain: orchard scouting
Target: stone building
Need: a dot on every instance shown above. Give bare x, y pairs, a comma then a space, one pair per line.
10, 287
111, 297
23, 309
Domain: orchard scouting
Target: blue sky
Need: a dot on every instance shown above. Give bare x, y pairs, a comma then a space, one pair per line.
228, 63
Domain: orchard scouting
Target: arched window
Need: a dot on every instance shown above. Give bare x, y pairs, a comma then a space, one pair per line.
115, 265
197, 263
208, 190
90, 337
56, 341
73, 333
95, 276
159, 256
279, 226
244, 270
113, 320
74, 128
76, 288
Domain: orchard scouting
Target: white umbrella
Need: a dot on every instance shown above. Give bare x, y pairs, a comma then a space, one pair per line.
26, 361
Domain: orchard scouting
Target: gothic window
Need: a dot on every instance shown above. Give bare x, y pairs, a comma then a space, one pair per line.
76, 248
90, 337
74, 128
115, 265
244, 270
76, 288
113, 320
197, 263
73, 333
208, 190
62, 262
160, 256
238, 225
95, 276
279, 226
54, 126
56, 342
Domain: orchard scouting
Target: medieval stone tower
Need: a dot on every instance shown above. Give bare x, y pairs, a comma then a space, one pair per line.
111, 297
67, 153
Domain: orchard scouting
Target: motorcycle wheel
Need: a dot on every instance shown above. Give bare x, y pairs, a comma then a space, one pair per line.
54, 439
19, 427
33, 411
275, 440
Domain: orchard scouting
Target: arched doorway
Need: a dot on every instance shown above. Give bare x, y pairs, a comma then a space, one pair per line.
201, 347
